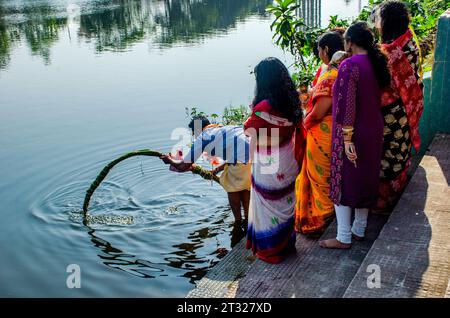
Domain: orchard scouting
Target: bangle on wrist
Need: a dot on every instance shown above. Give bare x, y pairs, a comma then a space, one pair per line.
347, 133
347, 128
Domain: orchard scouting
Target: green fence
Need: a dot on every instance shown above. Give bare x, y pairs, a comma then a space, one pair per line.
436, 116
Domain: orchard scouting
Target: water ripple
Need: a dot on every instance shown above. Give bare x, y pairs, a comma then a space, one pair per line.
183, 222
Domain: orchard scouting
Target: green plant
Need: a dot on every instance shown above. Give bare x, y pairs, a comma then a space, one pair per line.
235, 115
424, 13
303, 76
232, 115
293, 35
193, 112
286, 26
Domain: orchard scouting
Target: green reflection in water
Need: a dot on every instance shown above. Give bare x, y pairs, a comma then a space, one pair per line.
116, 25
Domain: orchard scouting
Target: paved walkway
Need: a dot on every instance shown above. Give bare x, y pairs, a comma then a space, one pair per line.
412, 251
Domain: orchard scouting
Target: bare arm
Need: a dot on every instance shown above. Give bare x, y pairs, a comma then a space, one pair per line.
320, 109
218, 169
180, 166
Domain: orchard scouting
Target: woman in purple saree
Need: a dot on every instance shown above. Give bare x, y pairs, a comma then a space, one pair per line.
357, 134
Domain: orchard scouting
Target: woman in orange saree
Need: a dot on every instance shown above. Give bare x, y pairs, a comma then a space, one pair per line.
314, 208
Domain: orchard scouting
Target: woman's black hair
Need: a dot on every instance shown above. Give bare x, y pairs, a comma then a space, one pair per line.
199, 118
395, 20
339, 30
361, 35
333, 40
274, 83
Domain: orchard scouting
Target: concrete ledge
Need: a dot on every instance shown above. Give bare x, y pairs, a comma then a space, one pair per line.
413, 249
312, 272
222, 280
447, 293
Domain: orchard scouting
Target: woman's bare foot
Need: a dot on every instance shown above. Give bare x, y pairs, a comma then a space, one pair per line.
357, 238
334, 243
221, 252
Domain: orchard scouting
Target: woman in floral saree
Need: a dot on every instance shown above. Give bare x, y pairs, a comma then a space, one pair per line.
277, 141
402, 102
314, 208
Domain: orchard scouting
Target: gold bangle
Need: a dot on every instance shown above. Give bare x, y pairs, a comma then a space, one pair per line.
347, 133
347, 129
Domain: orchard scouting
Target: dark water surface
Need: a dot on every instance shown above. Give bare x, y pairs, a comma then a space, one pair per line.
83, 81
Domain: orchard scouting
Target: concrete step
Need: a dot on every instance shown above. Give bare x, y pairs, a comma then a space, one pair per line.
447, 292
223, 279
312, 272
413, 249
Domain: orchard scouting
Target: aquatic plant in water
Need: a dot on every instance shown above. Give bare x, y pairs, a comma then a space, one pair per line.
205, 174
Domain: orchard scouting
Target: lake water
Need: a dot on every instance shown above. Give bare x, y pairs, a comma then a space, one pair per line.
84, 81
